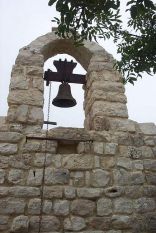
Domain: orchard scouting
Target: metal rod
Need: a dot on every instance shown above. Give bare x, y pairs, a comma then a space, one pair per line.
57, 139
50, 123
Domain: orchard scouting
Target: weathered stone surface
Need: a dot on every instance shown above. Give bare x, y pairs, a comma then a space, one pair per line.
137, 165
104, 207
151, 223
99, 223
53, 192
143, 205
31, 147
82, 207
148, 128
56, 176
34, 206
27, 97
150, 165
124, 163
121, 177
121, 222
123, 206
61, 207
110, 149
90, 193
4, 191
3, 124
134, 191
77, 162
137, 178
147, 152
22, 161
98, 147
10, 137
100, 178
16, 176
20, 224
12, 206
48, 224
151, 178
78, 178
107, 162
36, 115
22, 113
70, 192
35, 177
4, 161
8, 149
2, 176
149, 190
4, 223
74, 223
24, 191
83, 147
19, 82
53, 160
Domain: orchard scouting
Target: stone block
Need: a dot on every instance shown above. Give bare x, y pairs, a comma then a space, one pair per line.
27, 97
4, 222
53, 160
100, 223
143, 205
137, 164
10, 137
16, 176
123, 206
125, 163
107, 162
8, 148
110, 148
70, 192
134, 191
61, 207
91, 193
22, 113
56, 176
20, 224
100, 178
148, 128
149, 190
121, 177
121, 222
36, 115
84, 147
77, 162
150, 165
98, 148
74, 223
137, 178
34, 206
82, 207
22, 161
48, 224
101, 123
35, 177
19, 82
3, 124
104, 207
2, 176
78, 178
147, 152
4, 161
24, 191
32, 146
151, 178
53, 192
12, 206
4, 191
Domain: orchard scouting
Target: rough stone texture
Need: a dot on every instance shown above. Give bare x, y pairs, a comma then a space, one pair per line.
96, 179
20, 224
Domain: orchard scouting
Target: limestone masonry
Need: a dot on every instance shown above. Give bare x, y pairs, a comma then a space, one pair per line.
102, 183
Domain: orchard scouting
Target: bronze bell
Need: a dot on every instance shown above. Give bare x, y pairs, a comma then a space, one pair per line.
64, 98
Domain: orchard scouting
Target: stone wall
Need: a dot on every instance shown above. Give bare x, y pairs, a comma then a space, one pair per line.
100, 179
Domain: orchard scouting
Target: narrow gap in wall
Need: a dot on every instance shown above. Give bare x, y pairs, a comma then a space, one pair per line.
65, 117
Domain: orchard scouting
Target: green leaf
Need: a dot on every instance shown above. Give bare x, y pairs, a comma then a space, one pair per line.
51, 2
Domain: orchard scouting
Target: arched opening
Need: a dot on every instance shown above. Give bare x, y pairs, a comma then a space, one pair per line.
64, 117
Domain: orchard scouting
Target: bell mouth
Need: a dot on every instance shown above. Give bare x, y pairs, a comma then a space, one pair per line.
64, 103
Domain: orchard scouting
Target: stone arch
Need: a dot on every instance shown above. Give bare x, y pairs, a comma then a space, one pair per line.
105, 102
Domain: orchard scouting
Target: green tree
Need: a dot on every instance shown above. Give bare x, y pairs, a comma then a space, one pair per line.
93, 19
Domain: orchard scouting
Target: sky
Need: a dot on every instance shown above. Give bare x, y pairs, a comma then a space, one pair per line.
22, 22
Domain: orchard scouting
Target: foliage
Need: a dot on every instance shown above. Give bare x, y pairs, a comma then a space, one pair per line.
93, 19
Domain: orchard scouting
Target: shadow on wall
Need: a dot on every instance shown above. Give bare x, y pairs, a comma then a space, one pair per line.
66, 117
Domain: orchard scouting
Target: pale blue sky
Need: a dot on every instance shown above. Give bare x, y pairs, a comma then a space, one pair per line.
23, 21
